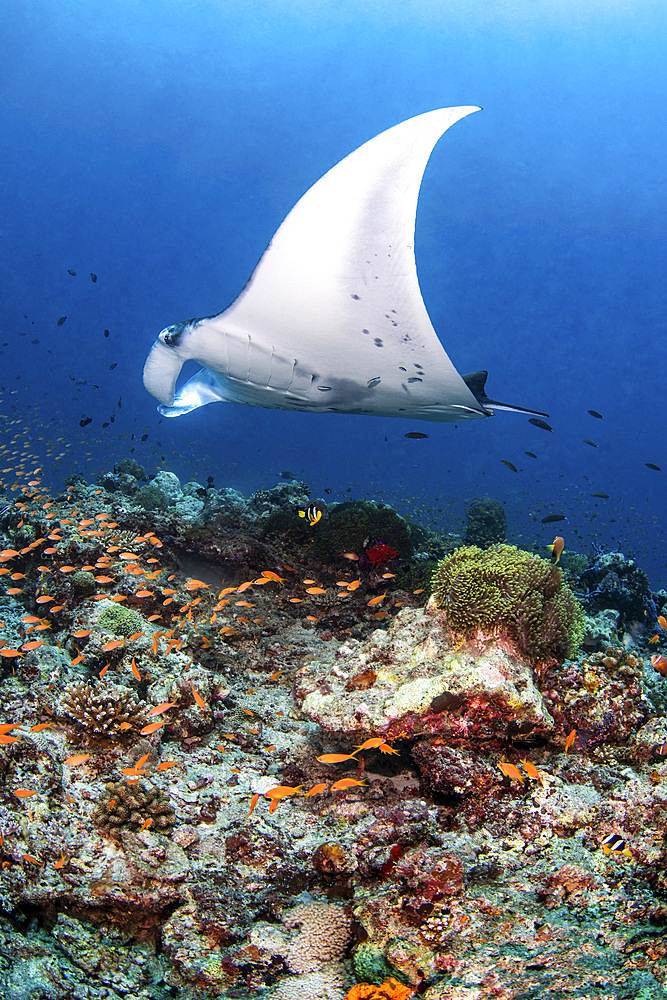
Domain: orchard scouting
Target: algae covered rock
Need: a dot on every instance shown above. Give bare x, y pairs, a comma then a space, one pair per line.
486, 522
509, 594
348, 526
412, 679
161, 492
615, 581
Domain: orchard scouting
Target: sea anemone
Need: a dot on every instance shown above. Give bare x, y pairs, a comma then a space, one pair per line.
504, 592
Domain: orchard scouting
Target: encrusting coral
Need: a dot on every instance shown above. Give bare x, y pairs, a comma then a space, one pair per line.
132, 807
390, 989
119, 620
505, 592
101, 709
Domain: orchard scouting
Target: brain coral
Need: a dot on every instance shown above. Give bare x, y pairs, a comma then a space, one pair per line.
120, 620
323, 936
504, 591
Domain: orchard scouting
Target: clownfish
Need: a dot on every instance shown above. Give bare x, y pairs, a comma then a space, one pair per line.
313, 513
557, 547
613, 844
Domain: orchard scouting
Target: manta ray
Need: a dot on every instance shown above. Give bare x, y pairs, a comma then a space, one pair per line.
332, 319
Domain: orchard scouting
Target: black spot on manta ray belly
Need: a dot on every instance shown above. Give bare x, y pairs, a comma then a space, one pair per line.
378, 342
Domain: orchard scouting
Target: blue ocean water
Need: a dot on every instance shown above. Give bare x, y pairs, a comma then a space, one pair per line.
158, 145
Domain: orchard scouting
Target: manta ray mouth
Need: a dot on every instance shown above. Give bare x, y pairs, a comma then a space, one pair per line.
161, 370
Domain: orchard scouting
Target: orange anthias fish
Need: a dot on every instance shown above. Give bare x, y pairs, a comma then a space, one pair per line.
282, 791
164, 706
197, 697
346, 783
316, 789
530, 769
510, 771
253, 802
335, 758
372, 743
662, 622
557, 547
151, 728
570, 740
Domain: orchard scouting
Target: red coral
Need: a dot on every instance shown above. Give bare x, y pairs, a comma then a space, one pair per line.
380, 553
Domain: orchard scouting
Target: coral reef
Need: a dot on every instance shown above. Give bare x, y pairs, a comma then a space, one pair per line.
504, 591
486, 522
235, 765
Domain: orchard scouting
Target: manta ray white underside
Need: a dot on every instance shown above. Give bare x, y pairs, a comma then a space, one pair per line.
332, 319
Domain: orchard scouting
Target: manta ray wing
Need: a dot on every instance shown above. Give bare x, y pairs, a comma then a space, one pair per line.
332, 318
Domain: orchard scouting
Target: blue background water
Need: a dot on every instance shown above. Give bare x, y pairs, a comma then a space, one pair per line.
160, 144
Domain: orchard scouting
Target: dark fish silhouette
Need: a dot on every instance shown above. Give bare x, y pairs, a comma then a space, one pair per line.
536, 422
594, 413
415, 434
550, 518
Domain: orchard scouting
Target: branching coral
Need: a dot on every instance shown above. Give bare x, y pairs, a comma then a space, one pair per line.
131, 806
102, 709
506, 592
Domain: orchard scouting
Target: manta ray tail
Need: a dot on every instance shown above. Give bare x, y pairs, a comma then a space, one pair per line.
476, 382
